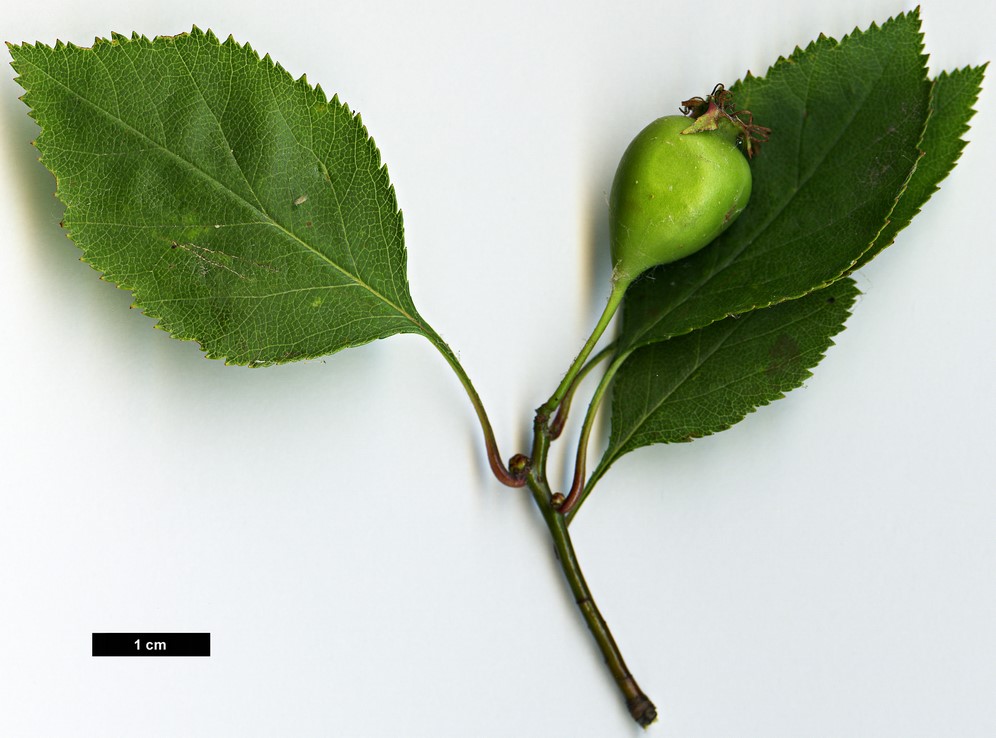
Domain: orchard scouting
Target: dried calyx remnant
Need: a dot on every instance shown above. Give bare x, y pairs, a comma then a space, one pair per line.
718, 109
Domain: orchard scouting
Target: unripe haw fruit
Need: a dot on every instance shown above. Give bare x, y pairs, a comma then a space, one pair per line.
680, 184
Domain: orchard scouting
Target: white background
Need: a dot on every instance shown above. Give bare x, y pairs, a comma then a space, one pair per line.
826, 568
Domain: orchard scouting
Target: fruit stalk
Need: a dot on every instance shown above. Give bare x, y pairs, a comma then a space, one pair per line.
615, 300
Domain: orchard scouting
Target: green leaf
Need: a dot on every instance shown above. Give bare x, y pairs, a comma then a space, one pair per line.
846, 120
242, 208
705, 381
952, 96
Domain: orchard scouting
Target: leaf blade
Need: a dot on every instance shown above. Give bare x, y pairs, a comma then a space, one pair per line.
952, 96
703, 382
807, 222
242, 209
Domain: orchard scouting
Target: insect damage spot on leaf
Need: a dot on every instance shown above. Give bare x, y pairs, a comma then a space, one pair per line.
206, 258
783, 355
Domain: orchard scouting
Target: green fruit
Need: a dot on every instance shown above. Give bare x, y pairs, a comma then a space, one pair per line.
677, 188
